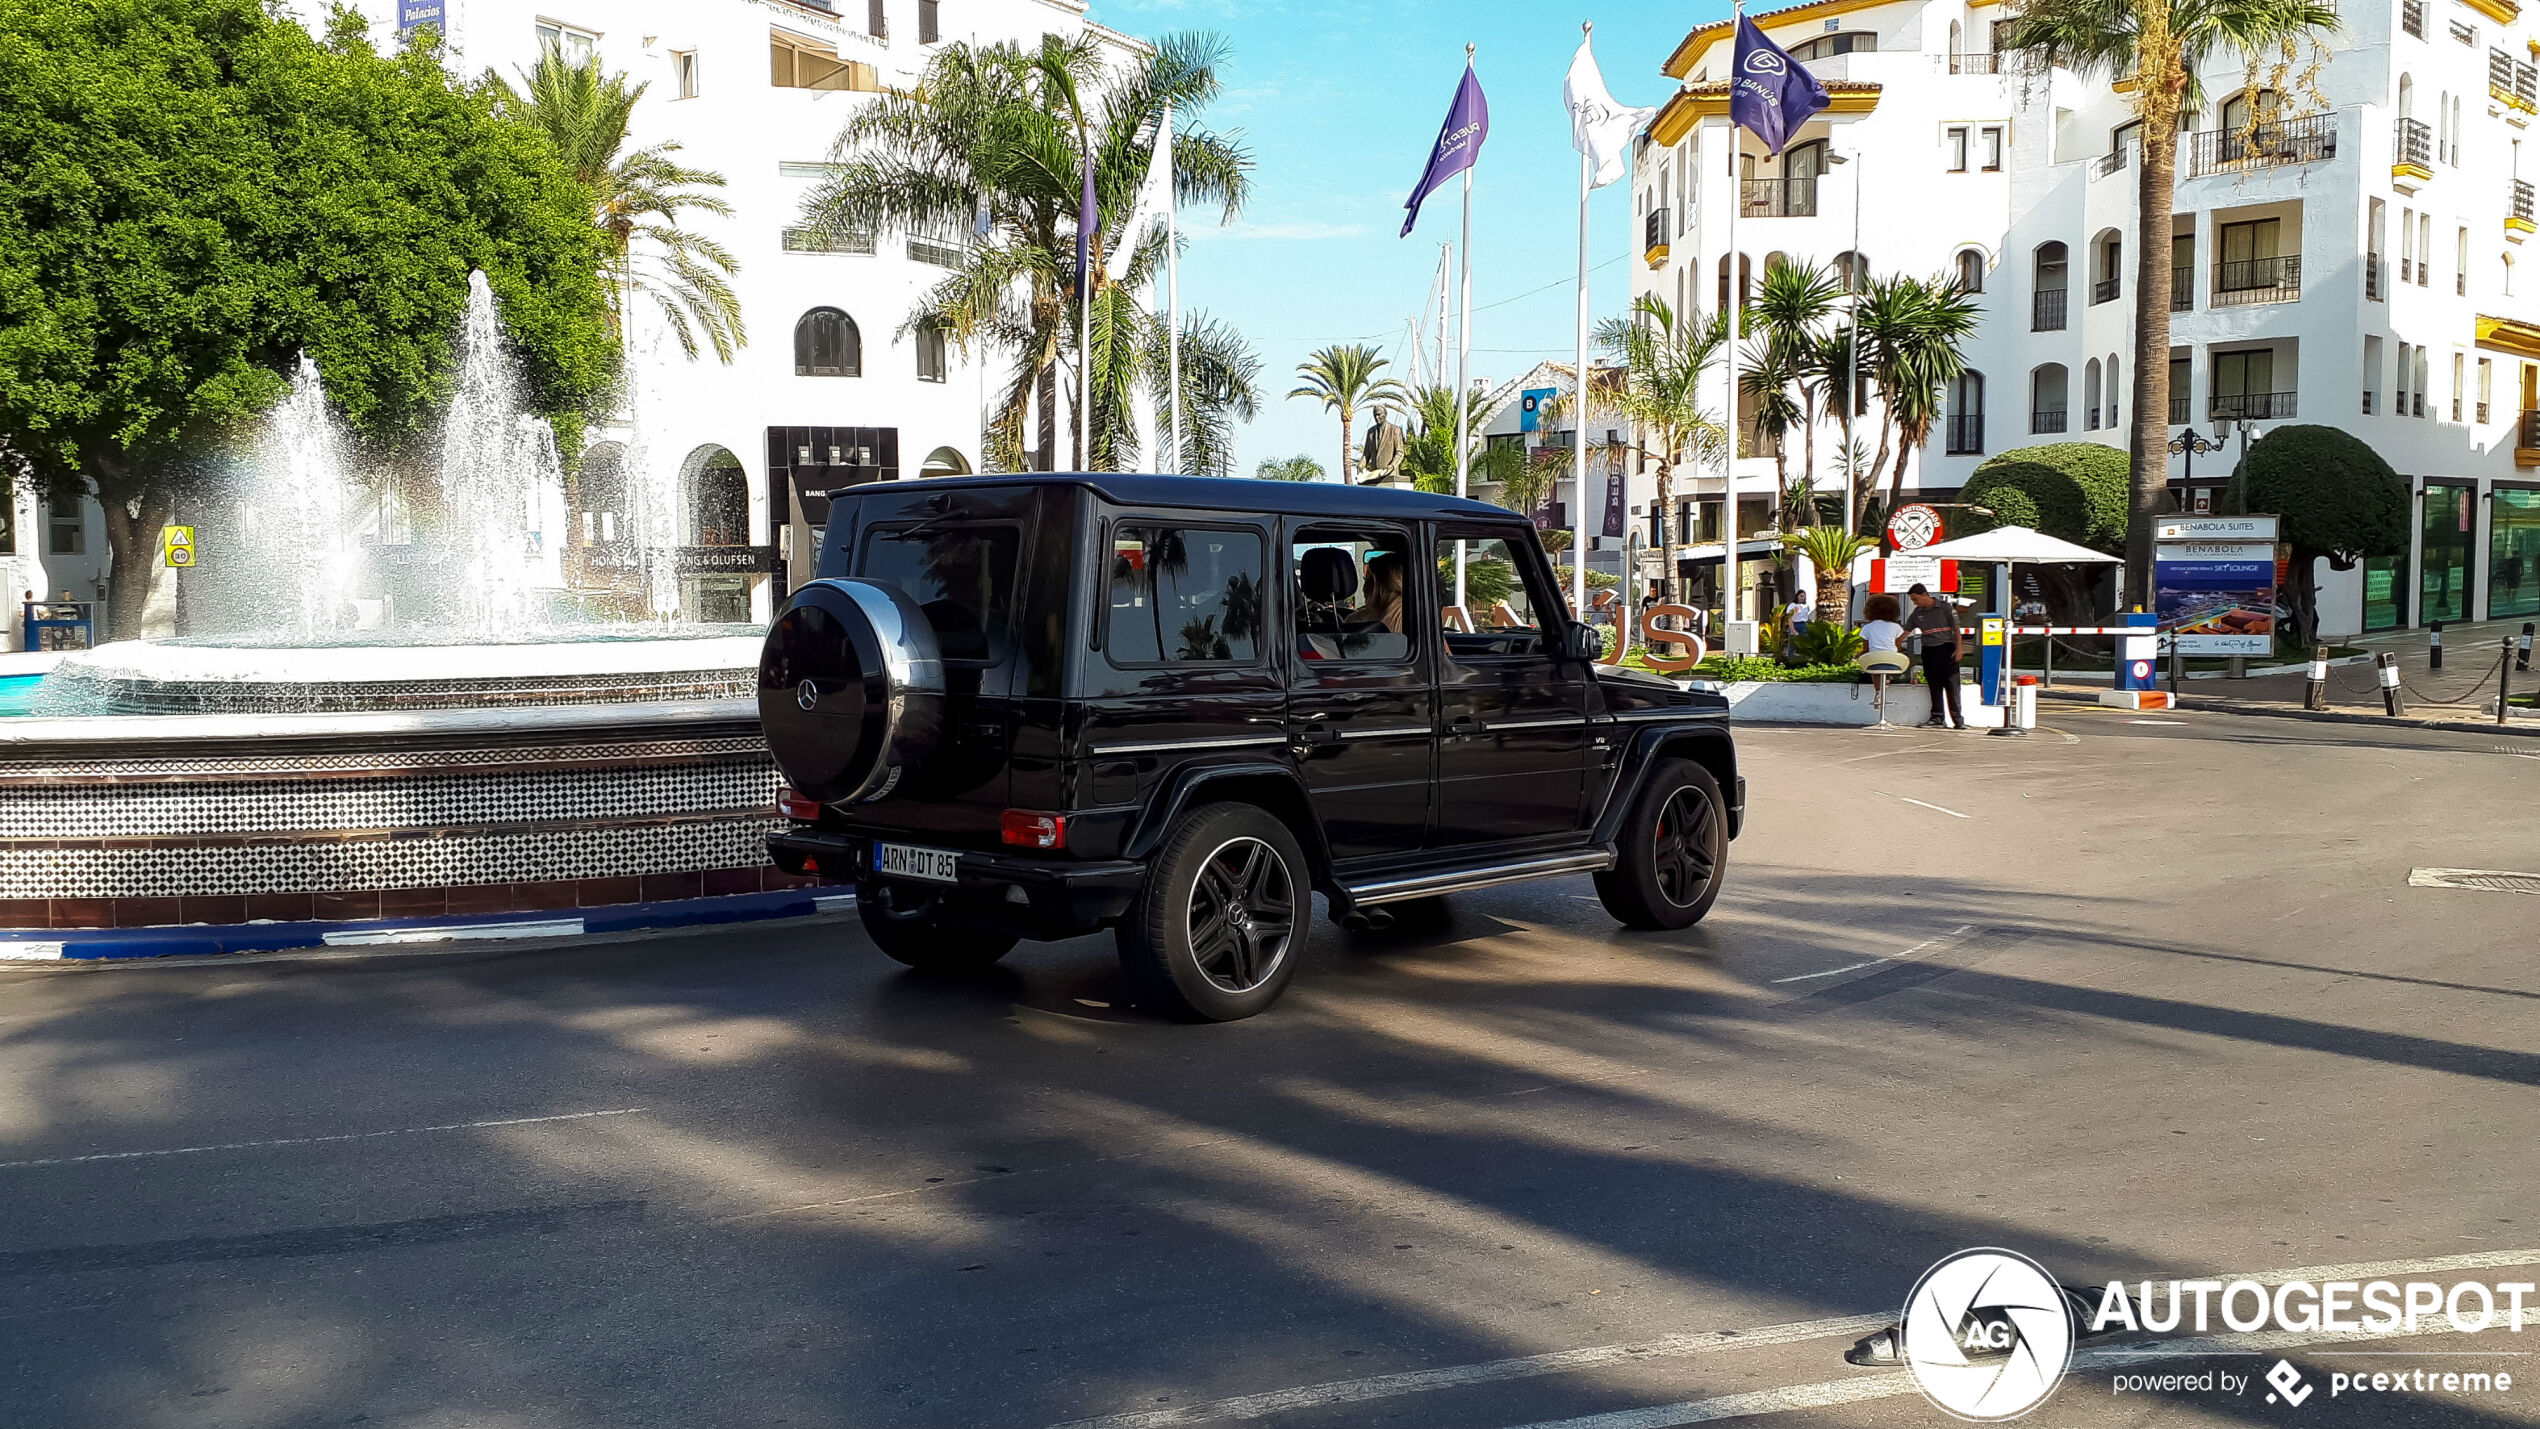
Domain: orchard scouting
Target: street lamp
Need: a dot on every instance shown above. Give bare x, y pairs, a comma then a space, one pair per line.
2192, 444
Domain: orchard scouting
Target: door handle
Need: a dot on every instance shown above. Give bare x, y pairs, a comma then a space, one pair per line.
1318, 734
1463, 727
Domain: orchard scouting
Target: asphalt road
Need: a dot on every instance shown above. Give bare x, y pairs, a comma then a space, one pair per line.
2142, 996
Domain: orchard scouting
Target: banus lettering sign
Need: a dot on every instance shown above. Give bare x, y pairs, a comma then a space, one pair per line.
413, 15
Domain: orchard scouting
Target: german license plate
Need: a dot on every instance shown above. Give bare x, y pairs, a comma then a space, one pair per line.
933, 865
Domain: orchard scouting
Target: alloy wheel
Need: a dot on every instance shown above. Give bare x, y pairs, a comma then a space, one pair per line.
1682, 858
1243, 914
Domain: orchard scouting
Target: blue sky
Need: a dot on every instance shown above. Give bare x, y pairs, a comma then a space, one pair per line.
1339, 104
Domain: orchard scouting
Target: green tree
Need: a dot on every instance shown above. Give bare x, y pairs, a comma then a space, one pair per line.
2338, 501
1832, 550
1344, 378
193, 192
1913, 345
2074, 491
1662, 356
2163, 45
1428, 448
1787, 370
637, 200
1003, 130
1289, 468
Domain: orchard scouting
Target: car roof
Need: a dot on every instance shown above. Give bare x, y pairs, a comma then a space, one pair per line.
1218, 493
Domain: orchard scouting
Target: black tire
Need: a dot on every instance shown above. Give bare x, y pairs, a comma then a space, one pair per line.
1181, 951
1673, 853
902, 923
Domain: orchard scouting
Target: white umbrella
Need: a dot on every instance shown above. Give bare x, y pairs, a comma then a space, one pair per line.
2005, 544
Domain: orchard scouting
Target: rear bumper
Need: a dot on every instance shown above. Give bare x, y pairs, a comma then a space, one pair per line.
1031, 897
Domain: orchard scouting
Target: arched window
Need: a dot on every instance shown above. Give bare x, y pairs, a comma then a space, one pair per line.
1745, 280
1851, 270
717, 501
2407, 96
826, 344
1966, 413
2107, 262
2111, 422
1971, 269
1828, 46
2050, 399
2053, 272
945, 461
931, 366
2090, 396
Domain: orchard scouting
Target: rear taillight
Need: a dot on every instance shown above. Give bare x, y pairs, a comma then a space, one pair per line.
802, 808
1026, 829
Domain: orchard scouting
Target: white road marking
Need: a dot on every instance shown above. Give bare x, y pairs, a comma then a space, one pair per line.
1890, 958
1385, 1386
465, 932
315, 1140
21, 952
1770, 1401
1935, 808
2171, 723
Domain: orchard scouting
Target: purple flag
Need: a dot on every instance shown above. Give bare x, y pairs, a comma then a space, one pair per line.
1088, 223
1459, 144
1769, 93
1614, 503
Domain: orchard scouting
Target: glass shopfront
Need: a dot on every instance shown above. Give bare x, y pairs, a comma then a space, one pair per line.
2513, 553
2443, 582
2385, 592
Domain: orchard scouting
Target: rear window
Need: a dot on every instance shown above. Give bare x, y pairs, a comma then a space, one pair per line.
961, 576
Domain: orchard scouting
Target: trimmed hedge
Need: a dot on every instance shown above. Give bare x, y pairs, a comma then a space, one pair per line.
2076, 491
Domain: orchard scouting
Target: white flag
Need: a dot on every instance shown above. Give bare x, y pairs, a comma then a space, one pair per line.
1599, 127
1155, 199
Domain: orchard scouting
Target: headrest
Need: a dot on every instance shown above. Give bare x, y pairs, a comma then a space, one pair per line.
1328, 574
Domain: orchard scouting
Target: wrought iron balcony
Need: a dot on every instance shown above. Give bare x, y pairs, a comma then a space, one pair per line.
1966, 433
2047, 420
2412, 17
2291, 141
2520, 215
2104, 291
2527, 430
2046, 311
2373, 283
2182, 288
2107, 164
2254, 406
2257, 280
1654, 232
2413, 145
1778, 198
2178, 411
1975, 64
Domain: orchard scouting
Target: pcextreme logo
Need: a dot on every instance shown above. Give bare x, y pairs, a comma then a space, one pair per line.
1986, 1335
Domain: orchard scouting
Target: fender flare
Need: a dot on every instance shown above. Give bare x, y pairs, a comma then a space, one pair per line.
1706, 743
1188, 787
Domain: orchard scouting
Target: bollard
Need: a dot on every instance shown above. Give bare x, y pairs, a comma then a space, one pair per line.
2019, 708
2315, 694
2434, 646
2391, 704
2504, 681
2178, 667
2522, 653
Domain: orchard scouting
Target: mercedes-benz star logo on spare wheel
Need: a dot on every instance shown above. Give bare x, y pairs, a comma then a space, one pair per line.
1913, 527
1987, 1335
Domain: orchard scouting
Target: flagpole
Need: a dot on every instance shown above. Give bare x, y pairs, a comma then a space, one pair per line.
1446, 270
1172, 295
1085, 324
1464, 360
1579, 412
1735, 601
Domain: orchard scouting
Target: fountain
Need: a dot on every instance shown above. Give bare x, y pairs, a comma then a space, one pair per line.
363, 729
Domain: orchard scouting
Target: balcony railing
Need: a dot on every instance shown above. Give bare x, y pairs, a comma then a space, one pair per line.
2500, 74
2107, 164
2254, 406
2522, 201
2182, 288
2527, 430
2046, 311
2413, 144
2046, 421
2257, 280
1975, 64
2178, 411
2412, 17
1966, 433
2372, 279
2104, 291
2291, 141
2417, 402
1778, 198
2482, 414
1653, 245
2367, 401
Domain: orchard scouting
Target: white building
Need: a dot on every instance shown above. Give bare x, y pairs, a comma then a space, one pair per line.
2351, 265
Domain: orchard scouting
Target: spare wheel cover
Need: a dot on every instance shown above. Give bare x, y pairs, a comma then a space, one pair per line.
850, 690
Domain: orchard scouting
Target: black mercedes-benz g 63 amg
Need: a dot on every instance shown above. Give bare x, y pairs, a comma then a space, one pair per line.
1038, 706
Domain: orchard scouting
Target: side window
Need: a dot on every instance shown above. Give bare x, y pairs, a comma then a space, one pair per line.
1183, 595
1500, 610
1353, 594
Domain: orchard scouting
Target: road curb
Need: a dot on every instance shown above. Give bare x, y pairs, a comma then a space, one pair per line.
2521, 729
54, 945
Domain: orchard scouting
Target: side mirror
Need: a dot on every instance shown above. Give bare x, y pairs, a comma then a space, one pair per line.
1584, 642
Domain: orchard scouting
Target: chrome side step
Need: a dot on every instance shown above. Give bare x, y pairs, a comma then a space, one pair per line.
1464, 880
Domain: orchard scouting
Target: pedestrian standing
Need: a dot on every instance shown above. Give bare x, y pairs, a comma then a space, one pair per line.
1937, 624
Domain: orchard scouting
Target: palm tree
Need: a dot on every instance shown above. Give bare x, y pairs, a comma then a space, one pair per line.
1345, 378
2164, 45
990, 144
1289, 468
637, 199
1663, 357
1832, 550
1913, 345
1788, 314
1428, 448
